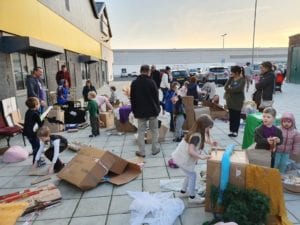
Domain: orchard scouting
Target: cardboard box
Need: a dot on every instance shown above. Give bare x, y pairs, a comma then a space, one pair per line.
188, 102
200, 111
260, 157
239, 160
162, 131
221, 115
107, 118
124, 127
88, 168
55, 120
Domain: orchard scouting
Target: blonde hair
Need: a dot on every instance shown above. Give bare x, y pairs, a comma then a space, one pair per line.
203, 122
270, 111
92, 94
44, 131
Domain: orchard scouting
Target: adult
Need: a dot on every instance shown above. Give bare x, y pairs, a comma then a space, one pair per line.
193, 90
234, 96
155, 75
63, 74
145, 107
165, 80
248, 75
35, 87
103, 103
87, 88
265, 87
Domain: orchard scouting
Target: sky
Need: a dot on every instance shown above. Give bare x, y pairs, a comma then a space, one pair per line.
156, 24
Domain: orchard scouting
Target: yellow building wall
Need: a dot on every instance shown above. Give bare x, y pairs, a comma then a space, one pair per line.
33, 19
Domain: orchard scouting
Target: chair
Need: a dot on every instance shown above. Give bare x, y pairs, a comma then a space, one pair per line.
9, 132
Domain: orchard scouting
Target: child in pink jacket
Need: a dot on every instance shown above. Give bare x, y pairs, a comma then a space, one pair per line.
291, 141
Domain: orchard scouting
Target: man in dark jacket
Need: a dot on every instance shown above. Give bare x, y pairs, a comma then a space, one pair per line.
63, 74
155, 75
145, 107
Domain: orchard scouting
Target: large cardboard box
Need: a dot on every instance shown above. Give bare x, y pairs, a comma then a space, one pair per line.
55, 120
188, 102
108, 119
239, 160
260, 157
124, 127
92, 166
162, 131
200, 111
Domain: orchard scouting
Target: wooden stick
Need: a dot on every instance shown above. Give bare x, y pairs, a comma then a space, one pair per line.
41, 179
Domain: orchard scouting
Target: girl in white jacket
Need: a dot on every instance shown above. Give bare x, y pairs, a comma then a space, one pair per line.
187, 154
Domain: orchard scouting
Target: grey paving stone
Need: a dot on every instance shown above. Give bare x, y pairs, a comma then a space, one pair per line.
155, 172
10, 171
69, 191
92, 207
154, 162
152, 185
120, 204
135, 185
288, 196
175, 172
101, 190
292, 218
293, 207
89, 220
118, 219
19, 181
130, 148
113, 143
52, 222
195, 216
64, 210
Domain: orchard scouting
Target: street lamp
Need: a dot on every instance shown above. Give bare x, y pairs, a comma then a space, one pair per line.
253, 38
223, 37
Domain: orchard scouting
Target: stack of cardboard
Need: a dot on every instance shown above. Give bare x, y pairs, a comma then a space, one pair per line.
92, 166
188, 102
37, 198
239, 160
216, 111
108, 119
55, 120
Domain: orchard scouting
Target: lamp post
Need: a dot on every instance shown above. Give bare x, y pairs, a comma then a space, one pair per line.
253, 38
223, 37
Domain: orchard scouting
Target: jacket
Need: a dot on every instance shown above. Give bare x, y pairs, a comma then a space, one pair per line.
265, 86
234, 93
261, 140
85, 91
168, 100
144, 97
33, 88
290, 141
32, 117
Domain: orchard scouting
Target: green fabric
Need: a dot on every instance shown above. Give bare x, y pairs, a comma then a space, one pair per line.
234, 93
93, 108
253, 121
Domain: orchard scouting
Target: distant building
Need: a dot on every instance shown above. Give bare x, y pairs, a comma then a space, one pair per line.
48, 34
131, 59
293, 65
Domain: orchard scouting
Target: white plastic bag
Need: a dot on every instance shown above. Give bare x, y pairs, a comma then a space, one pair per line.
154, 209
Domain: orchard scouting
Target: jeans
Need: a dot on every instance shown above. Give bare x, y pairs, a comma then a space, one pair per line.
281, 160
234, 120
179, 120
35, 143
153, 126
189, 183
94, 125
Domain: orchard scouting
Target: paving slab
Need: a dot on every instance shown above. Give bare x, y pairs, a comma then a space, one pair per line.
135, 185
120, 204
117, 219
52, 222
92, 207
101, 190
88, 220
155, 172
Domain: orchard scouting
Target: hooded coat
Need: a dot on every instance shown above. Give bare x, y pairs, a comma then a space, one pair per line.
291, 137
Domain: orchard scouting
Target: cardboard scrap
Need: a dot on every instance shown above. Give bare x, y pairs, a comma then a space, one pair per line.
92, 166
41, 179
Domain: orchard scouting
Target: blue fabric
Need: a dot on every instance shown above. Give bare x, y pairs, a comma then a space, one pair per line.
168, 102
225, 171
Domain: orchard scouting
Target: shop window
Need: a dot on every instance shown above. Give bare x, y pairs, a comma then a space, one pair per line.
85, 72
18, 70
67, 4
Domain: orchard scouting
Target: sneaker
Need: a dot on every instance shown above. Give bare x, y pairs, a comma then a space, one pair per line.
177, 140
234, 134
41, 163
183, 195
91, 135
137, 153
230, 134
156, 152
196, 199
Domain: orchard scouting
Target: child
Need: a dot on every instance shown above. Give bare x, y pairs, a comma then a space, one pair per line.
289, 133
169, 104
267, 136
113, 96
57, 145
62, 92
179, 117
94, 113
187, 154
32, 117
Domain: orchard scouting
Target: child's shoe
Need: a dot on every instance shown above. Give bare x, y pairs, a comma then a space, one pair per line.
196, 200
183, 194
41, 162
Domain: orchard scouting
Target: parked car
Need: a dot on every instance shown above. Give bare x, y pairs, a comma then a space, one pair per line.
124, 72
218, 74
180, 76
193, 72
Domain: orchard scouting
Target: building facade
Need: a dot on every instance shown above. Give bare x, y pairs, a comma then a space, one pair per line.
131, 59
293, 65
51, 33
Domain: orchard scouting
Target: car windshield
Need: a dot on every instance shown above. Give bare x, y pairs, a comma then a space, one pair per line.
180, 73
217, 69
193, 70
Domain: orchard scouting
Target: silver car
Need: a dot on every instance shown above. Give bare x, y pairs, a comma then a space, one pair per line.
218, 74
